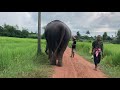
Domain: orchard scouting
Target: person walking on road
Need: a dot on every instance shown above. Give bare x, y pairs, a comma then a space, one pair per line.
73, 47
97, 50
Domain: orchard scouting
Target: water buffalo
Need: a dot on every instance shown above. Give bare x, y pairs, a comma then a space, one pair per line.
57, 36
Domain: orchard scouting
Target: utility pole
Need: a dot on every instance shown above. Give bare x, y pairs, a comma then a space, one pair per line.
39, 33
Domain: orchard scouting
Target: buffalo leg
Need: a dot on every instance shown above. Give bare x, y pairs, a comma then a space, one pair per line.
50, 56
53, 60
60, 59
46, 51
60, 54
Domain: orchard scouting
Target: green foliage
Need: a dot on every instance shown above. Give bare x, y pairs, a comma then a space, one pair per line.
25, 33
81, 38
109, 38
118, 36
18, 58
88, 32
78, 35
32, 35
105, 36
111, 61
1, 30
116, 39
43, 36
13, 31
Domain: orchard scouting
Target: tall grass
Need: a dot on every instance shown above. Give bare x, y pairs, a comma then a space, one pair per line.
18, 58
110, 64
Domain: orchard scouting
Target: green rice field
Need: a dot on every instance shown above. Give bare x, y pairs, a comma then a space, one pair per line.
19, 59
110, 64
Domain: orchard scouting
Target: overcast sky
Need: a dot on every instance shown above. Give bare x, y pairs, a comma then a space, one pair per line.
95, 22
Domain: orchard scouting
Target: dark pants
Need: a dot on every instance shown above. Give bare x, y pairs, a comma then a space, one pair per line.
97, 59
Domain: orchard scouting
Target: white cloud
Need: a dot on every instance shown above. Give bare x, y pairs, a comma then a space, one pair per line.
95, 22
22, 19
105, 30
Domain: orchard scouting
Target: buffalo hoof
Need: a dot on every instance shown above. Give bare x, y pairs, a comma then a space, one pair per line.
59, 64
53, 63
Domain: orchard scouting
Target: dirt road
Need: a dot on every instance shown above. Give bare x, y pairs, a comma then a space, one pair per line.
76, 67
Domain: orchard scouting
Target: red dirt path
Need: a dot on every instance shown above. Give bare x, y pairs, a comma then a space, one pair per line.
76, 67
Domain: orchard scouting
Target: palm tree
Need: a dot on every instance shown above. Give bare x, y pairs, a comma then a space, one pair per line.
39, 33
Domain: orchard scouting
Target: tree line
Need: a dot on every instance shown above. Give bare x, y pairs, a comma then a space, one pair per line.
14, 31
105, 37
